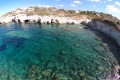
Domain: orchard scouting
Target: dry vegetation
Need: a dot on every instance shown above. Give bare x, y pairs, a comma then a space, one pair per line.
42, 11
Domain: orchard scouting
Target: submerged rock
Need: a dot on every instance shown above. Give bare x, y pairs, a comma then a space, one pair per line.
81, 73
98, 38
33, 72
60, 76
47, 73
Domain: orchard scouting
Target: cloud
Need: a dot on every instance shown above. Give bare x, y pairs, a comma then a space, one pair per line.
109, 0
94, 5
57, 0
94, 0
39, 5
73, 5
76, 2
111, 9
117, 3
104, 2
59, 5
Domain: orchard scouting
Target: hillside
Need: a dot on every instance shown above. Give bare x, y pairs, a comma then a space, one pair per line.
74, 14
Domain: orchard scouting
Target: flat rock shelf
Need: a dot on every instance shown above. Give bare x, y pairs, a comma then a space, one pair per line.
55, 52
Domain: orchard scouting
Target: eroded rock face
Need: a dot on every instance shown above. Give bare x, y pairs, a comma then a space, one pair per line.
23, 18
108, 28
7, 19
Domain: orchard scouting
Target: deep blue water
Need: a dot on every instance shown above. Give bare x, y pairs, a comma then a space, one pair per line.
55, 52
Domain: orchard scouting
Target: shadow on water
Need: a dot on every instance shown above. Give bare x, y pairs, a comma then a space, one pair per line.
112, 45
16, 26
17, 40
3, 47
14, 41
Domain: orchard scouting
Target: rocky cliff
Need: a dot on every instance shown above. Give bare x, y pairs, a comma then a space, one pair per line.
51, 14
43, 15
112, 30
107, 27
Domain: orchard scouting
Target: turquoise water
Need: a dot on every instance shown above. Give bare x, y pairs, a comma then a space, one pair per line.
54, 52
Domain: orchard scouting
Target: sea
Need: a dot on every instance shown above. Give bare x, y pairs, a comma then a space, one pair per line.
55, 52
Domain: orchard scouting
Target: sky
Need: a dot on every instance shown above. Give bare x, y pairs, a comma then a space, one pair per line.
106, 6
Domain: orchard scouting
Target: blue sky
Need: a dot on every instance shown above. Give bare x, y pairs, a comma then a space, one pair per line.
106, 6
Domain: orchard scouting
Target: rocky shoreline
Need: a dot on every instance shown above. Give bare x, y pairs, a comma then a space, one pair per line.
111, 29
107, 27
23, 18
115, 75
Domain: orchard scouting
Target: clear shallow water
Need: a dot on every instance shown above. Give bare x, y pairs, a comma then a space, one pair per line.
54, 52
